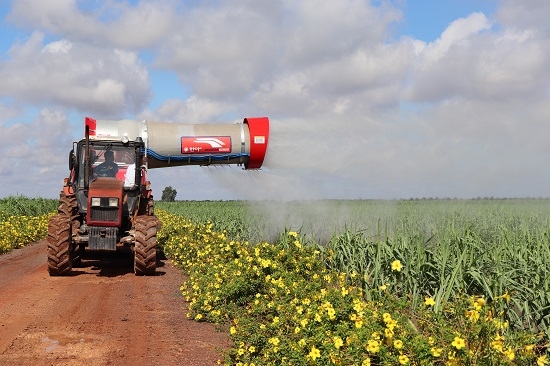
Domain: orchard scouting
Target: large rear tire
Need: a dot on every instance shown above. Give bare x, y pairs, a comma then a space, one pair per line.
68, 207
145, 247
59, 251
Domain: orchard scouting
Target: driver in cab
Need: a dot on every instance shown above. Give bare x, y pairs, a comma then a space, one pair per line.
108, 168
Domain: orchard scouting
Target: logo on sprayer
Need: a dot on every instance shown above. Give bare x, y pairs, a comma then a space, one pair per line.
205, 144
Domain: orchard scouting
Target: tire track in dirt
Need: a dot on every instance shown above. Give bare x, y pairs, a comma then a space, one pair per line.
100, 315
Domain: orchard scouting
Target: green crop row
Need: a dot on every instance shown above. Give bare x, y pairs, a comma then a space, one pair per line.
25, 206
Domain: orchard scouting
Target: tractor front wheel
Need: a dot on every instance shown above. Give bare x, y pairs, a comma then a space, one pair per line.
59, 253
145, 247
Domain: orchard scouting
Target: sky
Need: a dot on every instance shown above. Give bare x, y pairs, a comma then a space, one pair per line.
386, 99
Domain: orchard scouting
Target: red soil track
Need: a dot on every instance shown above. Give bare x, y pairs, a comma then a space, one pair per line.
102, 314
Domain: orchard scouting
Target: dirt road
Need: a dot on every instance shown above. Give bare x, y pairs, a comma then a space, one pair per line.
101, 315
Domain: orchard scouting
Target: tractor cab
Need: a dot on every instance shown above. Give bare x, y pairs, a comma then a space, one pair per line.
108, 160
108, 188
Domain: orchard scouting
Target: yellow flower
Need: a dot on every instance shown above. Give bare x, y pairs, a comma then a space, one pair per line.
398, 344
396, 265
383, 288
429, 301
529, 348
497, 343
436, 352
314, 353
506, 297
366, 362
373, 346
338, 342
459, 343
232, 330
391, 324
472, 315
510, 354
542, 360
403, 360
480, 301
251, 349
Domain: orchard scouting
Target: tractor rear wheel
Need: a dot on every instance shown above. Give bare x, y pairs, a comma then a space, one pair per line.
59, 251
145, 247
68, 206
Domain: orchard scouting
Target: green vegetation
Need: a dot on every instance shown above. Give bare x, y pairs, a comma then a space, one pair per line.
489, 248
169, 194
291, 303
233, 216
23, 220
21, 205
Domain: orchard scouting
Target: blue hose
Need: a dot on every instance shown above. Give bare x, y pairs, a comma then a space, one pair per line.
209, 158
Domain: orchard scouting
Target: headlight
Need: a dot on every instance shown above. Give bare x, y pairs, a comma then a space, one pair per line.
96, 201
113, 202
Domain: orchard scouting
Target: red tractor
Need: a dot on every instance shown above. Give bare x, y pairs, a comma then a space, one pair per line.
107, 203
